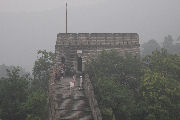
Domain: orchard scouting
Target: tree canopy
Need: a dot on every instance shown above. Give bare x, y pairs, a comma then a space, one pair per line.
23, 97
129, 88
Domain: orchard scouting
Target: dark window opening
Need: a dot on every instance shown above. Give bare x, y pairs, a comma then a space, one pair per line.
62, 60
135, 57
79, 65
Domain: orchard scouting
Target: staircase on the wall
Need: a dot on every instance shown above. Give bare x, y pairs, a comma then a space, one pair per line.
69, 105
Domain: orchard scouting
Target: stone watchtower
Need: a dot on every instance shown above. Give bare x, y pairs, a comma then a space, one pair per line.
73, 49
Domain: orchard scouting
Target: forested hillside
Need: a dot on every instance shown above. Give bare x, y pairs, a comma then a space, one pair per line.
23, 97
128, 88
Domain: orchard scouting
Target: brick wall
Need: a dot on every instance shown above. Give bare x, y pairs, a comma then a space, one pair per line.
89, 92
92, 43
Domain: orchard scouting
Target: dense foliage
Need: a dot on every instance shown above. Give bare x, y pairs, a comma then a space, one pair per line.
24, 98
41, 69
128, 88
13, 93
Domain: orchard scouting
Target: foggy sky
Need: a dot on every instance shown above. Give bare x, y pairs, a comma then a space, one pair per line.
29, 25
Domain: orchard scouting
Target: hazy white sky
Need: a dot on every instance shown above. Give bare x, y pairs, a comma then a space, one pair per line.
29, 25
40, 5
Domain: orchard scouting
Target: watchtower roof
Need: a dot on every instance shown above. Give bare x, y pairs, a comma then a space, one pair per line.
129, 35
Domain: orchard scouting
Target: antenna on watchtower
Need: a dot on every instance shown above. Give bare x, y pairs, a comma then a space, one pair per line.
66, 18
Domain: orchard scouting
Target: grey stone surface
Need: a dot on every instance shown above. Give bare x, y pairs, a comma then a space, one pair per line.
66, 105
89, 92
90, 44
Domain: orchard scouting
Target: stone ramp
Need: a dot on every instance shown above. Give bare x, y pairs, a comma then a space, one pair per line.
71, 105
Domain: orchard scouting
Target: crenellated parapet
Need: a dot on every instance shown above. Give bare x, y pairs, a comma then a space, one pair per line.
71, 46
73, 50
97, 39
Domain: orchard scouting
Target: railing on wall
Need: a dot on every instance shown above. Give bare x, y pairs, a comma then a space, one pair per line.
51, 96
89, 92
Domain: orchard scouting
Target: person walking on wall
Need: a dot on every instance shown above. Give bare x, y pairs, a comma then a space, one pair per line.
62, 73
80, 83
74, 77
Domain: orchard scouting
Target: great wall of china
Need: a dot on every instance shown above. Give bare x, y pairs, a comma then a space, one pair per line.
73, 50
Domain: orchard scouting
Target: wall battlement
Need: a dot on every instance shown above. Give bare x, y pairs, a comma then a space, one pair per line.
68, 46
97, 38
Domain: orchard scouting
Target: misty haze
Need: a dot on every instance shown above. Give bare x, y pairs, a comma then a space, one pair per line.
89, 59
28, 26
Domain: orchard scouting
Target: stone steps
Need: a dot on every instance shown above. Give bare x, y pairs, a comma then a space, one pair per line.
71, 105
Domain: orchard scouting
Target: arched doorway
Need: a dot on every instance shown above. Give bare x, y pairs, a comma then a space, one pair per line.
79, 64
62, 60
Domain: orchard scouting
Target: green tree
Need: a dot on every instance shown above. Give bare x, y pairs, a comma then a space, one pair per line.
35, 106
160, 97
115, 80
159, 94
14, 91
41, 70
177, 46
168, 44
149, 47
130, 89
164, 63
22, 98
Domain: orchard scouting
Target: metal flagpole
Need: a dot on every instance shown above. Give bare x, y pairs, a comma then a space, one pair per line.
66, 18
